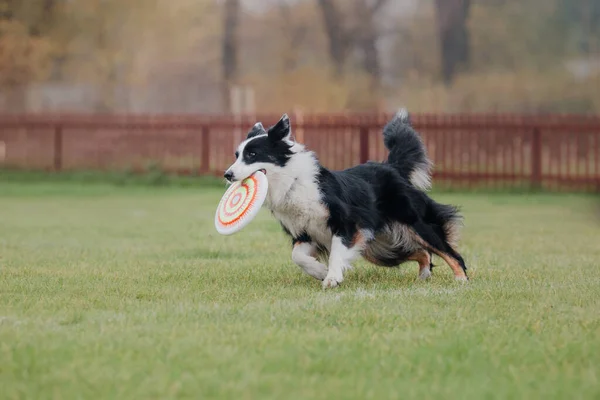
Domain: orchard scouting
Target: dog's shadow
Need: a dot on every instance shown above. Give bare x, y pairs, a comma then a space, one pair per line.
368, 276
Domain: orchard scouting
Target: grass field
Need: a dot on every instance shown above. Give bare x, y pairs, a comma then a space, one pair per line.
109, 292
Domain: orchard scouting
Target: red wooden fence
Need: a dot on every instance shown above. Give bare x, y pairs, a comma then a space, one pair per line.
553, 152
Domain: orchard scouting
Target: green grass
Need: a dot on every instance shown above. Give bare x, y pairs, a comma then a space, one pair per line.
128, 292
153, 176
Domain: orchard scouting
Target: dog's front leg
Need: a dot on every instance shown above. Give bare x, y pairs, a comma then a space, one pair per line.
303, 256
339, 260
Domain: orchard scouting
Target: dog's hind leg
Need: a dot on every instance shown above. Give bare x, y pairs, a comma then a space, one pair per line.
423, 257
434, 243
457, 265
303, 255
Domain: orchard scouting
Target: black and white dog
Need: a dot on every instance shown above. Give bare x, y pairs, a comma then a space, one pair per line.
376, 210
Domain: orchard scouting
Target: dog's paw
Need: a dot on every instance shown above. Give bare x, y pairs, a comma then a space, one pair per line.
424, 274
461, 279
330, 282
319, 274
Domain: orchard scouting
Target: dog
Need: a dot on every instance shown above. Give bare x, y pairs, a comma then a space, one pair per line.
377, 210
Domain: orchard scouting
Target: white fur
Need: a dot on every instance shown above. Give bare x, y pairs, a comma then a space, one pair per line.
302, 255
402, 114
241, 170
339, 260
420, 177
425, 273
295, 200
452, 229
294, 197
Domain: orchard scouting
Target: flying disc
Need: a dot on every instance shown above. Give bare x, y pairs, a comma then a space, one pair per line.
241, 203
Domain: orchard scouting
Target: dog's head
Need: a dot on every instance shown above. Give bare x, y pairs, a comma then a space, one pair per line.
266, 150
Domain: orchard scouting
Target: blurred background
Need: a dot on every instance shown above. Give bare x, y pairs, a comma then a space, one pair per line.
265, 56
504, 92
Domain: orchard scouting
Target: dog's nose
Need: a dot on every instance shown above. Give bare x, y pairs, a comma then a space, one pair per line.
228, 175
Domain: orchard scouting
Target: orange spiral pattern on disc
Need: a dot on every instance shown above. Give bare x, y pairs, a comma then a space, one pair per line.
237, 202
241, 203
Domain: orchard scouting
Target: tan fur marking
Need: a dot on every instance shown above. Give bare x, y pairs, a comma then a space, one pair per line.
358, 239
452, 229
369, 257
453, 263
459, 273
313, 253
423, 258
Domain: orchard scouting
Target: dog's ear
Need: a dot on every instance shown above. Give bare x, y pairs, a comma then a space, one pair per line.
257, 129
281, 130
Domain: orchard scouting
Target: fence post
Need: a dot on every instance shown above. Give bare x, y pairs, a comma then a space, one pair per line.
364, 144
58, 147
299, 126
536, 159
205, 144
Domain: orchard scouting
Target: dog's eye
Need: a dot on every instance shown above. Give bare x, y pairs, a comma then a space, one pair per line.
251, 154
237, 154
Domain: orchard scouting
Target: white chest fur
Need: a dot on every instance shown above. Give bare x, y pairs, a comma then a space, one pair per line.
295, 200
305, 218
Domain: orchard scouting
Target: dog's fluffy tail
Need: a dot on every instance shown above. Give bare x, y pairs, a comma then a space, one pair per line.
407, 151
450, 219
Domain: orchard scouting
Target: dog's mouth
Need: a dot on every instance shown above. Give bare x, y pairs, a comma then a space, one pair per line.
230, 181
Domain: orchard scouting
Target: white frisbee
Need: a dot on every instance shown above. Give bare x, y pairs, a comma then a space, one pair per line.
241, 203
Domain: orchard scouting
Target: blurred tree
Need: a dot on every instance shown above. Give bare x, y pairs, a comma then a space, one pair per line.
172, 56
366, 35
98, 54
452, 16
6, 10
294, 34
514, 35
24, 57
44, 19
230, 49
581, 20
162, 55
337, 34
354, 27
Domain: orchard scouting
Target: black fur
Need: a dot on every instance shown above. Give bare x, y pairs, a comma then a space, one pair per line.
302, 238
263, 149
256, 130
281, 130
373, 195
382, 206
407, 151
271, 148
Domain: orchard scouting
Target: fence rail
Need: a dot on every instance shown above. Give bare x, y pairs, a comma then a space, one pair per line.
559, 152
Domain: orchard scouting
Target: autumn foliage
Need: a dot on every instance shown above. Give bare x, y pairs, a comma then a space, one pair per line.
310, 55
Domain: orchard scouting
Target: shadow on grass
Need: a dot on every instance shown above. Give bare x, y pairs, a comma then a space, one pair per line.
362, 277
208, 254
